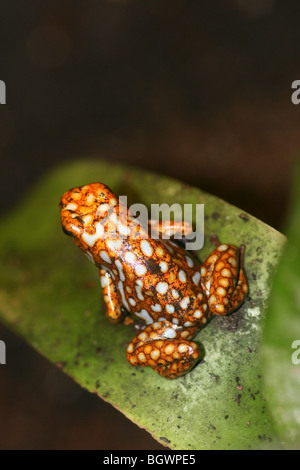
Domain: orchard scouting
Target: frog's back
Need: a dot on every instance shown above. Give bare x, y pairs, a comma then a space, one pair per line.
161, 280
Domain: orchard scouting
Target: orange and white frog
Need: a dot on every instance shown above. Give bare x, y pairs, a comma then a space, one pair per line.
153, 279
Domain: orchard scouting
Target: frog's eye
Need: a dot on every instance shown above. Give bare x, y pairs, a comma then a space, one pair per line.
66, 231
71, 224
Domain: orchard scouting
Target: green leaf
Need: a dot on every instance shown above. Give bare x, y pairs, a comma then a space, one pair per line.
50, 295
281, 356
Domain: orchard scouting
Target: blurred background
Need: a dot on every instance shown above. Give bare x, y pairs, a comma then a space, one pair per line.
200, 91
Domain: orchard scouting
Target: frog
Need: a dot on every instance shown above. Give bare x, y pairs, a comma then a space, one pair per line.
153, 279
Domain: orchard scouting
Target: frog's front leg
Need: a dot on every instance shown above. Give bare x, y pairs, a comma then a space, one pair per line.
165, 349
223, 279
111, 297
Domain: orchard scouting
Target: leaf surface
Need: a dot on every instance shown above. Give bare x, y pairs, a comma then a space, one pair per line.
50, 295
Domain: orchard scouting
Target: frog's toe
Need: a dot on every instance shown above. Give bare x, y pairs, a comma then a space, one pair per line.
171, 359
185, 356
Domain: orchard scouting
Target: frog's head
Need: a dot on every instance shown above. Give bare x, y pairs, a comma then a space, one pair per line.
82, 207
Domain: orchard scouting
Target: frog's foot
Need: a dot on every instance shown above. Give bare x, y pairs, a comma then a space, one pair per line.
114, 309
165, 349
223, 279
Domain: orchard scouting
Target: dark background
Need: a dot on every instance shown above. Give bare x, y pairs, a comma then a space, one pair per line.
198, 90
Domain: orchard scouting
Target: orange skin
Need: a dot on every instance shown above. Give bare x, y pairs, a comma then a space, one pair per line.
153, 279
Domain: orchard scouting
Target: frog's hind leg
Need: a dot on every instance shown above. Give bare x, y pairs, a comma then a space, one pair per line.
168, 229
164, 349
223, 279
114, 310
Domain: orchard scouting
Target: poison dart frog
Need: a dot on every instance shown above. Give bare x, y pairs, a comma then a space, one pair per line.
154, 280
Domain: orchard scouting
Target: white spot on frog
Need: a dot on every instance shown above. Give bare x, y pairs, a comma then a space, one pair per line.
175, 293
138, 288
140, 270
222, 247
146, 248
169, 333
91, 239
120, 287
71, 207
114, 244
122, 229
196, 278
184, 303
189, 261
105, 257
156, 308
104, 280
161, 287
102, 208
120, 269
163, 266
170, 308
144, 315
90, 198
130, 257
